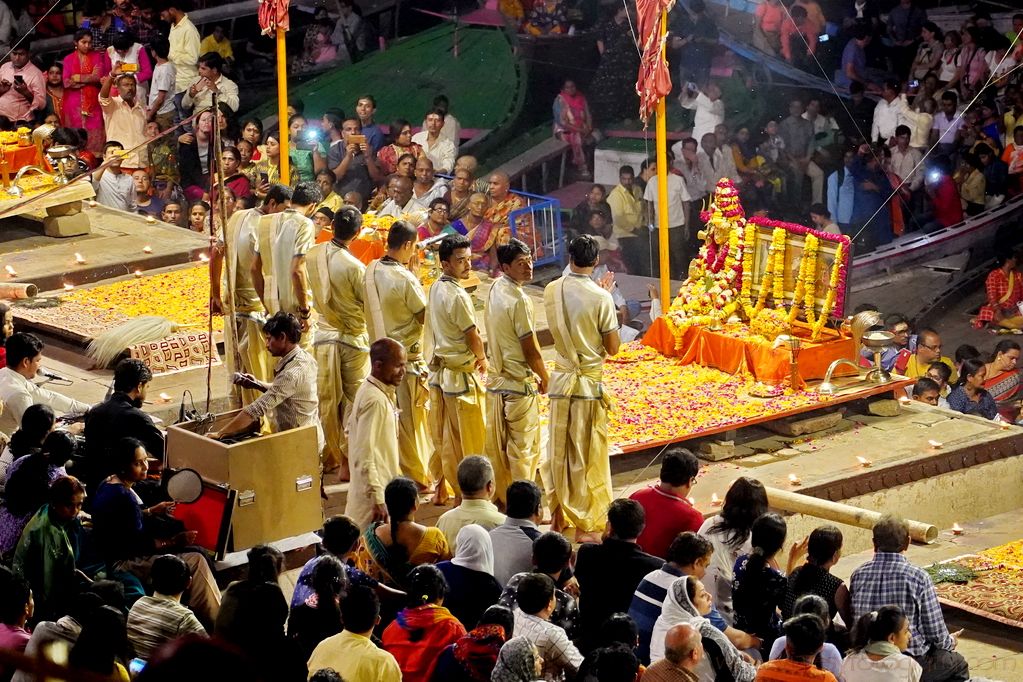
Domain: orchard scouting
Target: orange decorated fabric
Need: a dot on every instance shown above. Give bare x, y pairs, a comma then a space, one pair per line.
708, 348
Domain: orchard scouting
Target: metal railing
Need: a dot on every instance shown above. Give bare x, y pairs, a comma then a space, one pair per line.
540, 225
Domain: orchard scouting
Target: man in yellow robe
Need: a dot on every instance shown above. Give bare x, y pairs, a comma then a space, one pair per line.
279, 269
341, 345
373, 429
576, 471
455, 353
246, 351
517, 372
396, 308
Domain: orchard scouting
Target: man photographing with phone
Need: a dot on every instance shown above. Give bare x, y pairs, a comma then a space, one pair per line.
353, 162
22, 88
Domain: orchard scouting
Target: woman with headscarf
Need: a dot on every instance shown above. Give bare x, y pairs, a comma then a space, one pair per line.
519, 661
470, 575
425, 628
473, 657
29, 481
689, 602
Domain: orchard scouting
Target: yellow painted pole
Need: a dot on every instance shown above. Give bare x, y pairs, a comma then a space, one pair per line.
662, 185
282, 107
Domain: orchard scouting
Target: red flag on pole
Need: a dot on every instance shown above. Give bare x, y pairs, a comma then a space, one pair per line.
654, 80
273, 15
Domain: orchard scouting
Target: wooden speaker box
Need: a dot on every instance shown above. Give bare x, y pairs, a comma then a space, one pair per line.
276, 476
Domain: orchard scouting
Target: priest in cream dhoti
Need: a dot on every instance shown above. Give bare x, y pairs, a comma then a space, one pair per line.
232, 280
373, 434
396, 308
456, 358
279, 268
341, 342
576, 471
517, 373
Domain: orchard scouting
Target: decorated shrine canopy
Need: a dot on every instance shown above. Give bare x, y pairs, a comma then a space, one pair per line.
766, 273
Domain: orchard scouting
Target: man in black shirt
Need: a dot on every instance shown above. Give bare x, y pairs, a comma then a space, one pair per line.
609, 572
120, 416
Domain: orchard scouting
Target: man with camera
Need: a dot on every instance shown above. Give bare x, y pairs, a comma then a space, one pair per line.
22, 88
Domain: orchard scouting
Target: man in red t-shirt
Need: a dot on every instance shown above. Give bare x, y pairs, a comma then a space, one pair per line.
945, 202
668, 511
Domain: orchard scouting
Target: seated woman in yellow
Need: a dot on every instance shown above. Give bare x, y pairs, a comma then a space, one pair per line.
391, 550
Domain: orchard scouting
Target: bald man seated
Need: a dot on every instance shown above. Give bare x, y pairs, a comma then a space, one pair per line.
683, 652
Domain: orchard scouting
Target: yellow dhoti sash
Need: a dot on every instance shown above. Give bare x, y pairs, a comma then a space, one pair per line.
457, 424
513, 439
340, 371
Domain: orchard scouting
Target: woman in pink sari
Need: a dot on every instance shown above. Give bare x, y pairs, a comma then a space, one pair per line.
481, 232
573, 124
83, 69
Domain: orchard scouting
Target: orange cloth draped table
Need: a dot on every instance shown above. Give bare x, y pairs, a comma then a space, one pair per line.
367, 250
728, 353
16, 157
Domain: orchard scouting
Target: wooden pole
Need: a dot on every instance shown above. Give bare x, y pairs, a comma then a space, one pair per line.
662, 184
797, 503
282, 107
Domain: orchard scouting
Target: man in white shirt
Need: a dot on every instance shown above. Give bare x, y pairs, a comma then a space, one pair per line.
17, 392
199, 94
452, 128
906, 160
888, 114
710, 110
714, 163
947, 124
400, 201
184, 47
536, 600
440, 149
22, 87
678, 247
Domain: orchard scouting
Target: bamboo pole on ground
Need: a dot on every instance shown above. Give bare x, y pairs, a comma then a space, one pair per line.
282, 107
662, 184
797, 503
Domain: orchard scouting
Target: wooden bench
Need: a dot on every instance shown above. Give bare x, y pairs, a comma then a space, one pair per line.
540, 155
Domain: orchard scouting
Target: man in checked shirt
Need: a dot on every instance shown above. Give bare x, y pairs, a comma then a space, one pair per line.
889, 579
290, 401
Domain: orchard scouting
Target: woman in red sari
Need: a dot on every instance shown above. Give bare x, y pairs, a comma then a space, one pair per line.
422, 631
573, 124
401, 144
1004, 287
82, 72
1004, 380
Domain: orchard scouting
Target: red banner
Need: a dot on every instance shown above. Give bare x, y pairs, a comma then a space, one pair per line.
654, 80
273, 15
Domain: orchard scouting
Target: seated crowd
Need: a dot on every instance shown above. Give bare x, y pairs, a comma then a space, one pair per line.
726, 597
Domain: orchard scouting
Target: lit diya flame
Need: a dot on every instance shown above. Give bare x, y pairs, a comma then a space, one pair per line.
165, 398
794, 480
11, 272
936, 444
905, 400
147, 248
68, 286
864, 462
204, 258
138, 273
150, 219
957, 529
715, 501
79, 258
